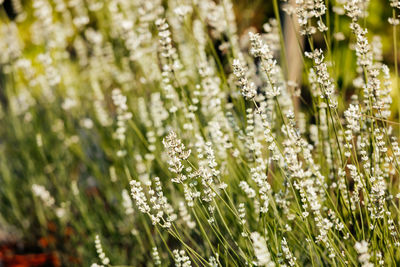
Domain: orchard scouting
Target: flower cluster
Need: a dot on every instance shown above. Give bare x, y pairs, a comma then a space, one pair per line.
364, 256
123, 115
177, 152
261, 250
155, 205
327, 87
41, 192
248, 89
181, 259
267, 63
99, 249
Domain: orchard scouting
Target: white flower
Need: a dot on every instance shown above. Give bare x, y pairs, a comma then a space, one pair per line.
41, 192
127, 202
156, 256
138, 195
364, 256
261, 250
322, 77
181, 259
248, 88
99, 249
267, 63
123, 115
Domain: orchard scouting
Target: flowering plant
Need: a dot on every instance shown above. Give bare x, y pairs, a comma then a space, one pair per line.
159, 134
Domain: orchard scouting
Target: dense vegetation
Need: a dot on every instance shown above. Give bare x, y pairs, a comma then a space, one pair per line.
201, 132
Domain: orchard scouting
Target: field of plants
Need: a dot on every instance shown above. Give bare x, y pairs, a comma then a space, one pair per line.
199, 133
